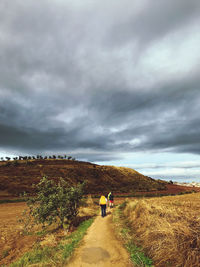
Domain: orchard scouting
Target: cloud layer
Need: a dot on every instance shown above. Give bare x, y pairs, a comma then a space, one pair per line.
98, 79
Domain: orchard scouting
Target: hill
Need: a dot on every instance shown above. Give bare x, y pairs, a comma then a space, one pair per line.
18, 176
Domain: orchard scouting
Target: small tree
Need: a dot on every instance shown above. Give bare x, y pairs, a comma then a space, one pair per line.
55, 201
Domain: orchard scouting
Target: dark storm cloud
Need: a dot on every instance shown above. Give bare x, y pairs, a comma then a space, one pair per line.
65, 82
165, 120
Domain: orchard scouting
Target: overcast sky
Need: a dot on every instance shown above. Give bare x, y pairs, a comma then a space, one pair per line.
111, 82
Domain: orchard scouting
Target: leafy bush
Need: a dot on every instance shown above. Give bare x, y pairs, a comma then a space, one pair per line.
55, 201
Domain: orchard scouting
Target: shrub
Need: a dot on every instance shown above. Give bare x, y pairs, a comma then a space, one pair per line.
15, 163
55, 201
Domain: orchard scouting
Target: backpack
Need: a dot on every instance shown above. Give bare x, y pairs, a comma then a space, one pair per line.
103, 200
111, 197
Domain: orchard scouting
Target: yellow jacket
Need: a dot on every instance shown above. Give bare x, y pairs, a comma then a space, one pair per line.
103, 200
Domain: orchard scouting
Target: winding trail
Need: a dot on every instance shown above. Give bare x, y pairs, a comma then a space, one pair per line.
100, 247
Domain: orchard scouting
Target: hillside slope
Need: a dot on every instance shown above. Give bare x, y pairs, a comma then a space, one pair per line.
17, 177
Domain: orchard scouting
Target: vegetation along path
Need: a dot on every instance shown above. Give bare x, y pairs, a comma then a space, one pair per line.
100, 247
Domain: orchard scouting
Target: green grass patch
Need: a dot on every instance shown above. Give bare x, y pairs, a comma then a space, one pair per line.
58, 255
75, 238
137, 254
38, 255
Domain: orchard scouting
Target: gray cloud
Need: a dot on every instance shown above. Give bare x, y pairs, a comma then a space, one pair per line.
154, 21
72, 79
179, 165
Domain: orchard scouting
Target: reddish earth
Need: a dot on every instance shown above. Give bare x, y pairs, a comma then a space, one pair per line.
12, 243
171, 189
175, 189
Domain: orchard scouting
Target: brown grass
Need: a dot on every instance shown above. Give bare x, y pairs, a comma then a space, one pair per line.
16, 179
90, 209
168, 228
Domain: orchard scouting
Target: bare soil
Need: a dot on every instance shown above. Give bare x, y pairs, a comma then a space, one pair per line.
12, 243
100, 247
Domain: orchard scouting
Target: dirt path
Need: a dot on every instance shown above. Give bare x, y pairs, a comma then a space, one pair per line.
100, 247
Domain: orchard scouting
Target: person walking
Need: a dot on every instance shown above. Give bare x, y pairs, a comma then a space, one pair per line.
111, 199
102, 203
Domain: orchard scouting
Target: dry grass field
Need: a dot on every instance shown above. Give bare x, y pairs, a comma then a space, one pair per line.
14, 242
168, 228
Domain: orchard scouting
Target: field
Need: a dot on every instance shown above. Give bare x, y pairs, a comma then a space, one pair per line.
14, 242
168, 228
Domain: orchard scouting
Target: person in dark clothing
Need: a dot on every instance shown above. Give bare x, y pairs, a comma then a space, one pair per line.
111, 199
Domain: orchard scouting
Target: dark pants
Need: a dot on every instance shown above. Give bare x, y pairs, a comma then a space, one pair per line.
103, 210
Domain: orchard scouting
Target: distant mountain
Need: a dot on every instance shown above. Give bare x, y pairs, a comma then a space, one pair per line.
192, 184
18, 176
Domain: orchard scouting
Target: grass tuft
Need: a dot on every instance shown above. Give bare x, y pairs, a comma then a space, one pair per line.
137, 254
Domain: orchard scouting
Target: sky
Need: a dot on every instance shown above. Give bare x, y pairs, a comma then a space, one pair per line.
110, 82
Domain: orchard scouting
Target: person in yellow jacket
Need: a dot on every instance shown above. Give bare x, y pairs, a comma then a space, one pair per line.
102, 203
